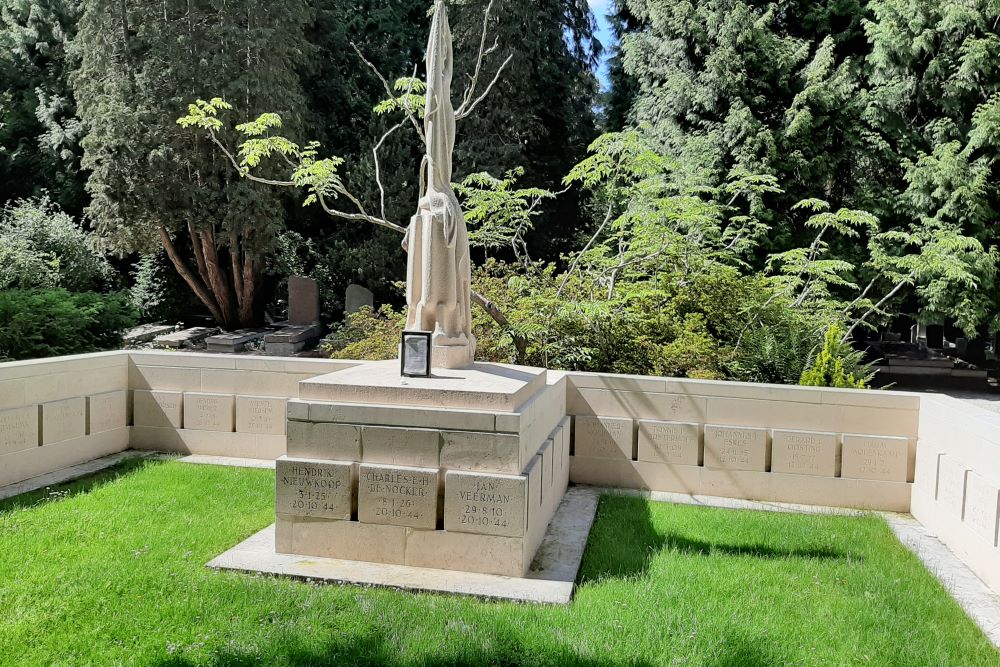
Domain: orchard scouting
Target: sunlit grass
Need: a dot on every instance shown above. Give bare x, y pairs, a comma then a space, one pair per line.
111, 571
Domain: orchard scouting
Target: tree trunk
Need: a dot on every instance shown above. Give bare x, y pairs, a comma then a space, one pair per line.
228, 293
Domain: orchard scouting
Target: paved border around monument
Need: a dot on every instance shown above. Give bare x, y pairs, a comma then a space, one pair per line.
73, 473
228, 461
552, 578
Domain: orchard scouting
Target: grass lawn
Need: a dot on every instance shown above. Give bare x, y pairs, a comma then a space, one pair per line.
111, 571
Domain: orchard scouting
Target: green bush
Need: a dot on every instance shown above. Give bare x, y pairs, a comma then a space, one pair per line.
837, 365
41, 247
49, 323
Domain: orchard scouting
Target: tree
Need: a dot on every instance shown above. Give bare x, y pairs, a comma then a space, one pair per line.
541, 115
768, 88
39, 130
154, 184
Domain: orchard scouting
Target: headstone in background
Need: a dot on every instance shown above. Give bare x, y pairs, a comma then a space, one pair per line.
186, 338
914, 334
935, 336
146, 332
303, 301
975, 351
961, 345
358, 297
235, 341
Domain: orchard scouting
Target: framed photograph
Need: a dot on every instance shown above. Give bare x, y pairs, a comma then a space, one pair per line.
415, 354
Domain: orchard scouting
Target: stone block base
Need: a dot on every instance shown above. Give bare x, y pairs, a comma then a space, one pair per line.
470, 488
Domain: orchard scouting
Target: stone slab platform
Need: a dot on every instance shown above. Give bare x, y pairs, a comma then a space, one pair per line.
481, 387
551, 579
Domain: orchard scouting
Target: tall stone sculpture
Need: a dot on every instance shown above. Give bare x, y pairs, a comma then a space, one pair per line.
438, 285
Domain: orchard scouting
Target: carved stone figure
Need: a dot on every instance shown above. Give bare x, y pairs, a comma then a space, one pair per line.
438, 286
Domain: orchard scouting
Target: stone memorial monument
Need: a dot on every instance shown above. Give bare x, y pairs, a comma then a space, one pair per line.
438, 268
460, 471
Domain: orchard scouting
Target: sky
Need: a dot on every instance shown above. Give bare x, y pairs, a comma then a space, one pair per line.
601, 9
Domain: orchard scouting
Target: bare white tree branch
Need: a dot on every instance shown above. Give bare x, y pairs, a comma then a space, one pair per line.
378, 165
391, 93
362, 215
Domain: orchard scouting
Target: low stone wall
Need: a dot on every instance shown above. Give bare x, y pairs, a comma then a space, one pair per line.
218, 405
935, 456
60, 412
762, 442
957, 489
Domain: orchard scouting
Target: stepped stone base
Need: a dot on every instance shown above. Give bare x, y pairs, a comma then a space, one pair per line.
460, 471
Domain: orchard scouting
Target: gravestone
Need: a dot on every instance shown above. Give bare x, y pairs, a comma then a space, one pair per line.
357, 297
303, 301
961, 345
935, 336
975, 351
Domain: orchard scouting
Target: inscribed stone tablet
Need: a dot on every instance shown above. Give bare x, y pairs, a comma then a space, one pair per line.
804, 453
678, 443
982, 502
398, 496
209, 412
875, 457
485, 504
603, 437
951, 486
157, 408
735, 448
260, 416
19, 429
64, 420
314, 488
106, 412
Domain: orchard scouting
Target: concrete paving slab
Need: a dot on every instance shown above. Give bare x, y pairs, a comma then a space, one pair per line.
232, 461
71, 473
552, 579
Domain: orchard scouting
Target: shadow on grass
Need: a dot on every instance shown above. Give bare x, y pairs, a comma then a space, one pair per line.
375, 650
76, 487
624, 541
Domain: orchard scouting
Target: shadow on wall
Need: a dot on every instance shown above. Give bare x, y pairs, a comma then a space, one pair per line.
625, 547
78, 487
375, 649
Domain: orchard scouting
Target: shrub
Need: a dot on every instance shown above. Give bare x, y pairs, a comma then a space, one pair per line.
837, 365
44, 247
48, 323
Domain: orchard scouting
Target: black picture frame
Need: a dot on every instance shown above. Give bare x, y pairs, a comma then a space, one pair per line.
426, 336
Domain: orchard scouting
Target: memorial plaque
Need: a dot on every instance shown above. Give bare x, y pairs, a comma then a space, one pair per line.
603, 437
19, 429
982, 506
314, 488
398, 496
736, 448
157, 408
209, 412
260, 415
677, 443
875, 457
485, 504
64, 420
951, 486
107, 412
804, 453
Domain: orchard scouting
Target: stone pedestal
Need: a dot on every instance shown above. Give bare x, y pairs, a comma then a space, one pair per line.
461, 471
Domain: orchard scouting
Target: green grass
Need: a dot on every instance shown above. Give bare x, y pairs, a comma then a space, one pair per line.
111, 571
